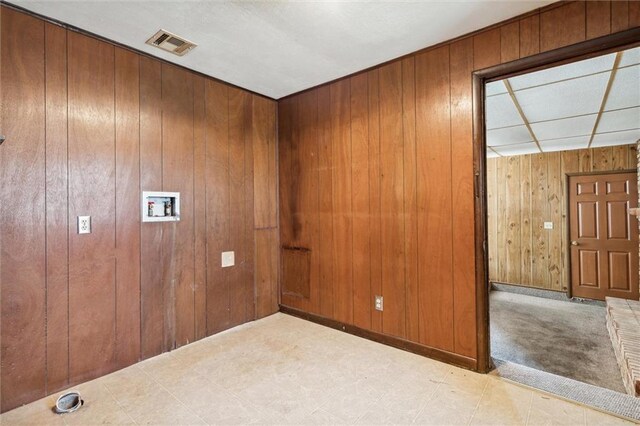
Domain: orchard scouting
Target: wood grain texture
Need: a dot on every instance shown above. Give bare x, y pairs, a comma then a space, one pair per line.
127, 185
620, 15
57, 214
392, 199
342, 201
510, 42
598, 18
218, 187
433, 139
486, 49
177, 176
151, 250
200, 208
530, 35
462, 195
92, 266
562, 26
360, 200
540, 197
23, 224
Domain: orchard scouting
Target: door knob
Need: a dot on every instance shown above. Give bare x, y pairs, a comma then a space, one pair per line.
574, 243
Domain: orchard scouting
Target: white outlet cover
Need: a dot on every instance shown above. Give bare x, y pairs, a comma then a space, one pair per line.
548, 225
84, 224
228, 259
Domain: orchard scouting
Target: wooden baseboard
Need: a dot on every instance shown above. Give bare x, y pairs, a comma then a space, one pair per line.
396, 342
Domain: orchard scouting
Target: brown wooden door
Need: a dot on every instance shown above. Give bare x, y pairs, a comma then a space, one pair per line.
603, 235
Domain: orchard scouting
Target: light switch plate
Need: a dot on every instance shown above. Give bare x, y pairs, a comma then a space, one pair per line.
548, 225
228, 259
84, 224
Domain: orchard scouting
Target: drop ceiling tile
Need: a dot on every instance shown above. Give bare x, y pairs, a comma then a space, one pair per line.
495, 88
508, 136
501, 112
565, 144
517, 149
491, 154
624, 119
565, 127
563, 72
564, 99
626, 137
630, 57
625, 91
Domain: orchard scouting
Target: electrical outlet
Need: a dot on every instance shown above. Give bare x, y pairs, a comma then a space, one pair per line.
228, 259
84, 224
379, 303
548, 225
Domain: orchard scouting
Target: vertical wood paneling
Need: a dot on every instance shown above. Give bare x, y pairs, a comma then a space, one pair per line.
362, 300
92, 267
23, 226
530, 35
539, 197
620, 15
151, 294
410, 199
461, 66
433, 140
57, 215
238, 102
200, 208
510, 42
325, 200
342, 213
392, 199
562, 26
634, 14
177, 237
598, 18
511, 224
375, 195
486, 49
127, 185
266, 272
89, 126
217, 143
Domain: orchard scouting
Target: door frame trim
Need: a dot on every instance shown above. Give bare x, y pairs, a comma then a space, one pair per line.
568, 218
583, 50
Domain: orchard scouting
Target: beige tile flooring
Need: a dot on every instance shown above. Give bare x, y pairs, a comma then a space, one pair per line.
283, 370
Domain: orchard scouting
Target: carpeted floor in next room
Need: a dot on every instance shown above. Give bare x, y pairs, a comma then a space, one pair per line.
559, 337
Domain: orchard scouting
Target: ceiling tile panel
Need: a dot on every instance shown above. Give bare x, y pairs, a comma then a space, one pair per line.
517, 149
491, 154
573, 70
630, 57
495, 88
625, 91
563, 99
624, 119
626, 137
564, 144
501, 112
508, 136
564, 128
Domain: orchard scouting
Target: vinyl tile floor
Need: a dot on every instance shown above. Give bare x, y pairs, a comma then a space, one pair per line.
283, 370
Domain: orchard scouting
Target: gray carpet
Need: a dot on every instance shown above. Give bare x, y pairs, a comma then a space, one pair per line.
563, 338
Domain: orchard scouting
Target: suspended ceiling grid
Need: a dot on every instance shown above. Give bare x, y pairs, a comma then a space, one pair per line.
586, 104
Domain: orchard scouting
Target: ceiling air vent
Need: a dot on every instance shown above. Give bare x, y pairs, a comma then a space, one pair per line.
171, 43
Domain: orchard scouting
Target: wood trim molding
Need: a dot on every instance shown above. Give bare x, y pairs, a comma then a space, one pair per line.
587, 49
396, 342
507, 84
612, 77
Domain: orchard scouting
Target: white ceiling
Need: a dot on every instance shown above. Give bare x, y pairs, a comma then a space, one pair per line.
562, 105
281, 47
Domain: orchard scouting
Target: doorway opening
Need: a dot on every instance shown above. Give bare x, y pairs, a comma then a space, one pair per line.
557, 153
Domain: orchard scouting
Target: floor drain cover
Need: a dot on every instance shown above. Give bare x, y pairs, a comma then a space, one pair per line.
68, 402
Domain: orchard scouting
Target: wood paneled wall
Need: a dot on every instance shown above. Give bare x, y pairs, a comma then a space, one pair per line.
88, 126
376, 179
523, 192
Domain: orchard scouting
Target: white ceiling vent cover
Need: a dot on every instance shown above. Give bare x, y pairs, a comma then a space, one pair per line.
171, 43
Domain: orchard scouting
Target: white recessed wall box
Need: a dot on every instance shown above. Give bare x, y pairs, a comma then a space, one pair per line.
160, 206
